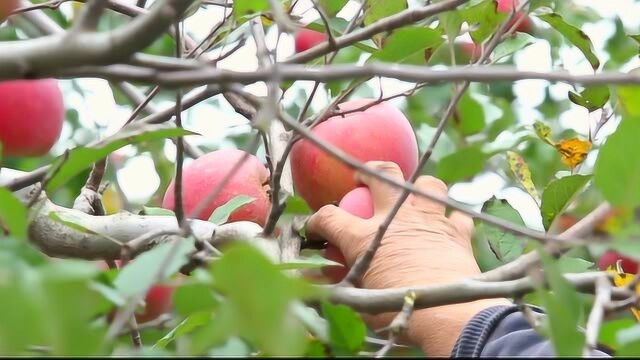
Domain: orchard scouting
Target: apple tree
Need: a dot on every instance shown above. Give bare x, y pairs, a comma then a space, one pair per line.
160, 160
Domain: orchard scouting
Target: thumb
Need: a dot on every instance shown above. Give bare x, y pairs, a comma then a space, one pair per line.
332, 224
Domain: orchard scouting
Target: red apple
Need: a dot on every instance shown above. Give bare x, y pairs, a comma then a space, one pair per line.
158, 300
507, 6
471, 50
357, 202
609, 258
6, 8
31, 116
380, 132
306, 39
202, 176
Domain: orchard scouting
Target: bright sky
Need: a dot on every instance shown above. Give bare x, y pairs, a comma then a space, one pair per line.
216, 119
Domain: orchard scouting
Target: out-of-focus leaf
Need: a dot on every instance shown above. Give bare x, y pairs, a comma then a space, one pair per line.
312, 262
186, 326
156, 211
514, 43
332, 7
461, 164
574, 35
617, 169
245, 8
484, 18
221, 214
505, 246
234, 347
258, 301
81, 158
192, 298
406, 42
558, 194
544, 132
564, 309
573, 265
592, 98
378, 9
138, 276
13, 214
346, 328
628, 96
469, 116
520, 169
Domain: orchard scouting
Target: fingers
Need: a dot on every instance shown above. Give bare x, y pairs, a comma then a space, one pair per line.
383, 194
463, 224
433, 186
332, 224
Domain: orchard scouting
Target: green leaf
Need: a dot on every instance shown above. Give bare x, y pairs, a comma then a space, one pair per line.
185, 327
514, 43
485, 18
574, 35
534, 4
222, 213
82, 158
313, 262
628, 96
70, 221
379, 9
234, 347
573, 265
406, 42
156, 211
592, 98
609, 330
462, 164
469, 116
346, 328
558, 194
617, 169
505, 246
332, 7
564, 308
139, 275
192, 298
259, 298
13, 214
245, 8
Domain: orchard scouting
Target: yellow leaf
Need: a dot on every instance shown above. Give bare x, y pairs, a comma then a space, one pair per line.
573, 151
111, 201
621, 279
523, 174
544, 132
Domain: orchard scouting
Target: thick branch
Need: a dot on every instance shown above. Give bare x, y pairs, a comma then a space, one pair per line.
29, 58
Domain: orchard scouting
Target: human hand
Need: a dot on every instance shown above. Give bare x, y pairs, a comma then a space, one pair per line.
422, 246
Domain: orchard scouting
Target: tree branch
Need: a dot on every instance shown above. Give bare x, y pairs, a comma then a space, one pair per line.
30, 58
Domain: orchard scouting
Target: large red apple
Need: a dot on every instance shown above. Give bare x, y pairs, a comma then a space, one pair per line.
381, 132
306, 39
507, 6
357, 202
31, 116
203, 175
6, 8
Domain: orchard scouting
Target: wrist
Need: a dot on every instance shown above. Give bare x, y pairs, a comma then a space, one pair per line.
437, 329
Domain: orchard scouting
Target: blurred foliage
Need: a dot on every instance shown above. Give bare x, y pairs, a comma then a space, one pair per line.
242, 304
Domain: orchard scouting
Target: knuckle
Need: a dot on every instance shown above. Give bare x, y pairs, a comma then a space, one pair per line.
431, 182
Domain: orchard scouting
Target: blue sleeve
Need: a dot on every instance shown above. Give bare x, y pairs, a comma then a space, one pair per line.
503, 331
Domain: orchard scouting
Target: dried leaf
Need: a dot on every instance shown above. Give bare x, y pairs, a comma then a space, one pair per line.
573, 151
544, 132
523, 174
